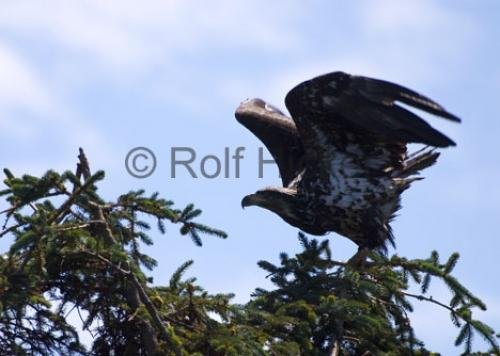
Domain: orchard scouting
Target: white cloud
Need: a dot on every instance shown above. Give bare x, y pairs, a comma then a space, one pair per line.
396, 15
31, 112
424, 23
409, 42
19, 83
125, 36
21, 90
423, 37
125, 42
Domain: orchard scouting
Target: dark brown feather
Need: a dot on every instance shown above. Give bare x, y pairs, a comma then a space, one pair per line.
367, 106
277, 132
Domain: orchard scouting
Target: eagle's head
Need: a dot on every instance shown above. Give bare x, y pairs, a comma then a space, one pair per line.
286, 204
269, 198
281, 201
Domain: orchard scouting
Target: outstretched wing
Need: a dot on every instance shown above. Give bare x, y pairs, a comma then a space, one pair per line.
278, 133
363, 106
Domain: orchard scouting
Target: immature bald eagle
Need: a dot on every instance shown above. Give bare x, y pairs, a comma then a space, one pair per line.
342, 157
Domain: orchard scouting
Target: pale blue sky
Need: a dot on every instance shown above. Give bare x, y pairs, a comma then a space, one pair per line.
109, 76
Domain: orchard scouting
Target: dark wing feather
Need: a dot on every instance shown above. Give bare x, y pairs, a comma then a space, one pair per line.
364, 106
386, 92
278, 133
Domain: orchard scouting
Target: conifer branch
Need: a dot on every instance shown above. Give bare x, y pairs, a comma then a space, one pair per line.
318, 305
428, 299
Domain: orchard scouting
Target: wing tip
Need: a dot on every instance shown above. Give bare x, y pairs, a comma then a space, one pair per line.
442, 142
447, 115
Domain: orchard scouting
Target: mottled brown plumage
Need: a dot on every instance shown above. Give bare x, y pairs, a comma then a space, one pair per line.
342, 156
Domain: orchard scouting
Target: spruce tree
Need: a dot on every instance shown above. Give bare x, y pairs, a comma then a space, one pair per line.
74, 252
326, 307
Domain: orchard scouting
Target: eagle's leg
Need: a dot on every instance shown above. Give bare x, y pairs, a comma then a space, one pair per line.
357, 262
359, 258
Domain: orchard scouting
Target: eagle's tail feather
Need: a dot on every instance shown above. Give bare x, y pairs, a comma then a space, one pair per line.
414, 165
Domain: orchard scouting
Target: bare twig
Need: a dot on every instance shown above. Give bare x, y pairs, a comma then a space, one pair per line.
10, 229
429, 299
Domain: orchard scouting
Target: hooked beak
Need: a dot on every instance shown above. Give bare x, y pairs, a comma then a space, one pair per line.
247, 201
